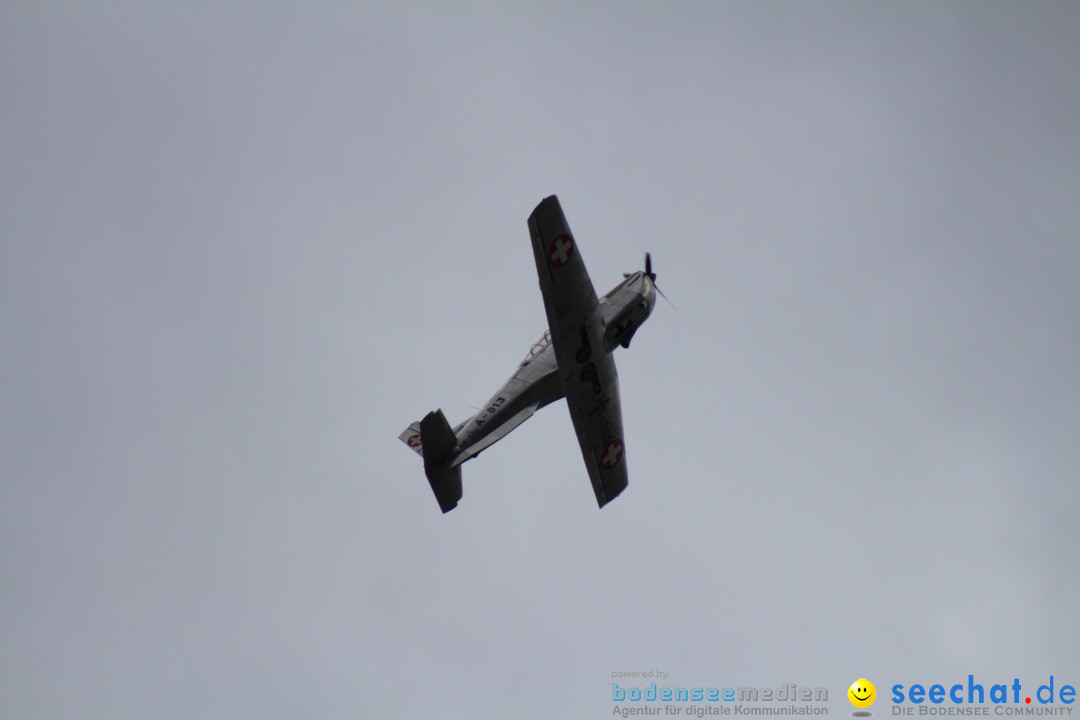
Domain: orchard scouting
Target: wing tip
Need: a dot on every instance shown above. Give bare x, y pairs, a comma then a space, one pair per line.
605, 494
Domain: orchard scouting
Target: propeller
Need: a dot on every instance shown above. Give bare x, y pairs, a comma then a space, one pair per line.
652, 276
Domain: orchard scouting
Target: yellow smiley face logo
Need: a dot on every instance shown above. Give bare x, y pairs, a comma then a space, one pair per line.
862, 693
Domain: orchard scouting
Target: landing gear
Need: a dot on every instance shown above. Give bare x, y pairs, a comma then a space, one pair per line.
589, 374
585, 351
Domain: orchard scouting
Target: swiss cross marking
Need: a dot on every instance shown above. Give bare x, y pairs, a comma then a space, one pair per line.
413, 441
561, 250
612, 454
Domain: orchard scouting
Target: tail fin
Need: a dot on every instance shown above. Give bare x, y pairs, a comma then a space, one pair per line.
434, 439
411, 437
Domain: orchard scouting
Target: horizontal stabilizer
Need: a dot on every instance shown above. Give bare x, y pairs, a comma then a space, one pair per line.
438, 442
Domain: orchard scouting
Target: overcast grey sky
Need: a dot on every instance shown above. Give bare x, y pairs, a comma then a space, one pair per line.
242, 245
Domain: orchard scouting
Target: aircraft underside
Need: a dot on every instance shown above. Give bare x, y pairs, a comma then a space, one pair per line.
573, 359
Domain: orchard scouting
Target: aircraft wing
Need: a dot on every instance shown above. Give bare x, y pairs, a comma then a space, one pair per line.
587, 371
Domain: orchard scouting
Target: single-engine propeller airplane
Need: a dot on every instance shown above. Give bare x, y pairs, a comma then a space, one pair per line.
573, 359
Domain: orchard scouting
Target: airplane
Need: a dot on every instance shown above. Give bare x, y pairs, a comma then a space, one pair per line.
572, 359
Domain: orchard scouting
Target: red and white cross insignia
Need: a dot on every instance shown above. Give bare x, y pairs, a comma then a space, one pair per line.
561, 250
413, 441
612, 454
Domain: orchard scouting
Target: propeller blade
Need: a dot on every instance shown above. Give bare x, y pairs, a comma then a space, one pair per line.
652, 276
657, 288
